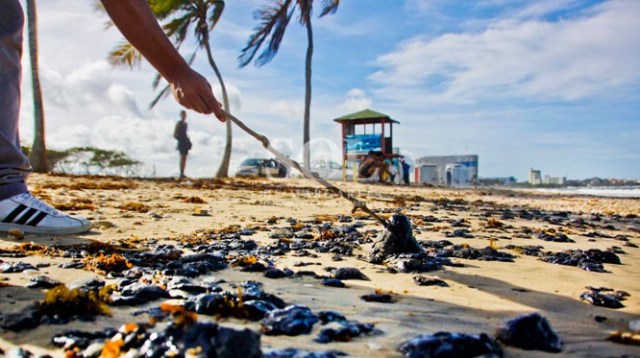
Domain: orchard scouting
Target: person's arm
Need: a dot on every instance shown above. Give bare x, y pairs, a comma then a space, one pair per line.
138, 25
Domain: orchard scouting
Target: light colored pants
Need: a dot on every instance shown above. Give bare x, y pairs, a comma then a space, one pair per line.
14, 165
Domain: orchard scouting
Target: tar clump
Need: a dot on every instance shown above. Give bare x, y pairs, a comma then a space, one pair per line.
397, 239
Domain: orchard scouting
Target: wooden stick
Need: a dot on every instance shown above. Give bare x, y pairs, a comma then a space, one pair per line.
357, 204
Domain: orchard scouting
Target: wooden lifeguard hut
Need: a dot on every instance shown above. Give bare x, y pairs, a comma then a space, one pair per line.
365, 131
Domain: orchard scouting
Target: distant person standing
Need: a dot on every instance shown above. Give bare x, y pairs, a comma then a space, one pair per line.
392, 173
405, 171
184, 143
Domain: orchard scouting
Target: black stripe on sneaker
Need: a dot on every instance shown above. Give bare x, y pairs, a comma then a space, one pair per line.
37, 219
24, 218
14, 214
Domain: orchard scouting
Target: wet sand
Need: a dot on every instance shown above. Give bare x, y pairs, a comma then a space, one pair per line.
139, 215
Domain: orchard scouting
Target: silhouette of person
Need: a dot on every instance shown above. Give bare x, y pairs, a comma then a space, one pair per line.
184, 143
405, 171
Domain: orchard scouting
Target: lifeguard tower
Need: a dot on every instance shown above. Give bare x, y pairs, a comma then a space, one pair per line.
366, 131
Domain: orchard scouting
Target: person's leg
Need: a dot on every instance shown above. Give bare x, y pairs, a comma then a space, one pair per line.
18, 208
183, 164
14, 165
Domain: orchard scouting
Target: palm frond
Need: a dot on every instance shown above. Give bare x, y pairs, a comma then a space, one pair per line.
329, 7
177, 29
162, 95
216, 14
125, 55
165, 8
274, 21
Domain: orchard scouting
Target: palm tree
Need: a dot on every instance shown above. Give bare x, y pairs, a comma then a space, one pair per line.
203, 15
38, 153
273, 23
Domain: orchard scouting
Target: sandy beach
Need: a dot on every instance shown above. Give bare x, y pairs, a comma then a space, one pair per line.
135, 216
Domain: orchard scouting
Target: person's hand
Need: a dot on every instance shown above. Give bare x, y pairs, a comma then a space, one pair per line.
193, 91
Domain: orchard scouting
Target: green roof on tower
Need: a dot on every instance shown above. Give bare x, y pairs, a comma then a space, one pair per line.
365, 115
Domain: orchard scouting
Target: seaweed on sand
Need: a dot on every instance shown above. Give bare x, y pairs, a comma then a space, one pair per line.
60, 305
107, 263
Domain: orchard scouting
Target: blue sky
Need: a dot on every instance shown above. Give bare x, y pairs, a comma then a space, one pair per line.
551, 84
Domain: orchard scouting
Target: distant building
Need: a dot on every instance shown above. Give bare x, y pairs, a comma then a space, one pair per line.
452, 170
535, 177
554, 180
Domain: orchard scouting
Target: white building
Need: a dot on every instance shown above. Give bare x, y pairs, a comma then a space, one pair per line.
452, 170
535, 177
554, 180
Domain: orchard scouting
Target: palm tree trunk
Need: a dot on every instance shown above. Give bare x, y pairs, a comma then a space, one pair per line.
306, 151
38, 154
223, 170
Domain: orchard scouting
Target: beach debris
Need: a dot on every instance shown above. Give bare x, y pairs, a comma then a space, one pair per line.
425, 264
588, 260
76, 339
378, 296
194, 200
344, 331
447, 344
60, 305
299, 353
183, 336
530, 332
349, 273
134, 206
554, 236
188, 285
200, 212
429, 281
273, 272
251, 303
623, 337
330, 316
137, 294
292, 321
397, 239
107, 263
463, 233
16, 234
16, 267
528, 250
485, 254
17, 352
332, 282
597, 297
42, 281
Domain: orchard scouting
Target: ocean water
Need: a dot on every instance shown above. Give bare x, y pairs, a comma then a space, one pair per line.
609, 191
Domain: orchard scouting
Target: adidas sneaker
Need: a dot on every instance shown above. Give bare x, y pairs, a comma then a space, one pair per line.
26, 213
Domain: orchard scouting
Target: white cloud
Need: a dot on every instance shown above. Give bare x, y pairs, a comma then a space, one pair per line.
563, 60
288, 108
356, 100
123, 97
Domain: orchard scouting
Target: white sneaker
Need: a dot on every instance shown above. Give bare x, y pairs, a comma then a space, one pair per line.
26, 213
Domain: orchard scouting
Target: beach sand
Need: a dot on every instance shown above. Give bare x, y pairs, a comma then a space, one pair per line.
481, 294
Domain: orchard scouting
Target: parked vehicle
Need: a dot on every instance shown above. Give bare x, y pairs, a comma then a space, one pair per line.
259, 167
326, 169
